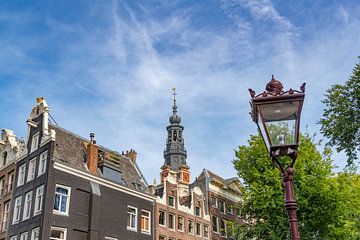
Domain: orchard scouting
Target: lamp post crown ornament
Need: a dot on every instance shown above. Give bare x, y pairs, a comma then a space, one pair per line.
274, 86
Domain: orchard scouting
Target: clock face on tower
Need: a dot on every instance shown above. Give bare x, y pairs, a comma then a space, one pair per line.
186, 177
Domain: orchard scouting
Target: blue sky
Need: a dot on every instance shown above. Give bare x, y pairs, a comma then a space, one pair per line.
109, 66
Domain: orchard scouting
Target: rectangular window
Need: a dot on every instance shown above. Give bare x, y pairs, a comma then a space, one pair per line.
42, 163
171, 201
238, 212
191, 227
13, 238
131, 218
57, 233
171, 221
39, 200
21, 175
31, 170
197, 211
10, 182
34, 142
229, 209
27, 205
17, 209
180, 224
206, 231
24, 236
222, 228
222, 206
162, 218
62, 199
145, 221
214, 202
2, 186
35, 232
198, 229
215, 224
5, 216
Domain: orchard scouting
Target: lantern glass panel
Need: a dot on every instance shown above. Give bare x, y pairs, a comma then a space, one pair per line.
281, 121
263, 131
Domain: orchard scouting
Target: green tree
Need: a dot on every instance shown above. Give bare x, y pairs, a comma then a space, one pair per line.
321, 200
341, 117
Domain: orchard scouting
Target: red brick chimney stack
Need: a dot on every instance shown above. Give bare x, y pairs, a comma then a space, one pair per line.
92, 155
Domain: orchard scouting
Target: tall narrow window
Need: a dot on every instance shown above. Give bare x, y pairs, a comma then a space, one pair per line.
21, 175
229, 209
198, 229
27, 205
222, 206
34, 142
214, 202
39, 200
222, 228
42, 163
5, 216
31, 170
206, 231
197, 211
191, 226
4, 159
62, 199
2, 186
17, 210
171, 201
180, 224
57, 233
215, 224
24, 236
10, 182
131, 218
145, 221
35, 232
162, 220
171, 221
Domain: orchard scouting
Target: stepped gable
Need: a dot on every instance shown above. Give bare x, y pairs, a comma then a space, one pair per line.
70, 149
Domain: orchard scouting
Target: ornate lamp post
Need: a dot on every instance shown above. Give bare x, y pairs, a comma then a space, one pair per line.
277, 115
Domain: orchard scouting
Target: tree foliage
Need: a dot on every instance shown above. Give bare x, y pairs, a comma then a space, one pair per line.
341, 117
327, 207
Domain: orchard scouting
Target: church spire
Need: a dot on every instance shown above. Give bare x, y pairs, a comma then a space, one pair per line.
175, 152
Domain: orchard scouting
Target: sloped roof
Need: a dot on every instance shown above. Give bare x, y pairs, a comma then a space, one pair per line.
70, 149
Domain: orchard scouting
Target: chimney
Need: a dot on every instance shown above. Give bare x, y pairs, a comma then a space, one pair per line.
92, 155
131, 154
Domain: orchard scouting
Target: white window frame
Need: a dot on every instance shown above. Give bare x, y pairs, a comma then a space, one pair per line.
5, 216
35, 142
10, 182
136, 218
229, 209
216, 205
13, 238
61, 197
196, 229
149, 222
39, 199
21, 175
193, 227
183, 224
27, 205
24, 236
2, 186
173, 198
172, 216
64, 230
221, 229
208, 233
217, 224
165, 218
17, 210
31, 170
33, 232
224, 206
42, 163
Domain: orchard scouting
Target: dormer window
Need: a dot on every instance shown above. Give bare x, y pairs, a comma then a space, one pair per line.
171, 201
34, 142
4, 159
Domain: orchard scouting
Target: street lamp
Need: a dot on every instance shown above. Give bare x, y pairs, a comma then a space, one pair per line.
277, 115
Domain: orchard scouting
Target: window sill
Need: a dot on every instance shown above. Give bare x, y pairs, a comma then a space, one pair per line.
131, 229
65, 214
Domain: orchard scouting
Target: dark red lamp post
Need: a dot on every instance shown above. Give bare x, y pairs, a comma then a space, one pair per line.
277, 115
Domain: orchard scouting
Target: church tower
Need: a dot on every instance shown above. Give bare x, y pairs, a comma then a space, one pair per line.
175, 152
